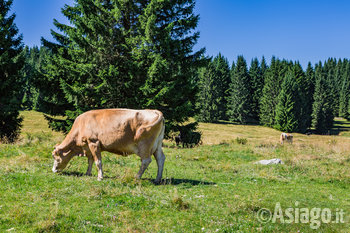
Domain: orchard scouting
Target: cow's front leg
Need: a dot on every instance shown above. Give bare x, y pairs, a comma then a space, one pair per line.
144, 164
96, 154
90, 162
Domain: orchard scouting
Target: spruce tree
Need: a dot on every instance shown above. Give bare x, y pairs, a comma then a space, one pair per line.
270, 92
263, 66
208, 91
213, 88
35, 61
308, 88
303, 102
322, 111
133, 54
232, 68
334, 89
222, 82
287, 109
12, 61
240, 99
344, 92
257, 80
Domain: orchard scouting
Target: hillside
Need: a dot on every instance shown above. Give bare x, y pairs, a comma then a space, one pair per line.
215, 187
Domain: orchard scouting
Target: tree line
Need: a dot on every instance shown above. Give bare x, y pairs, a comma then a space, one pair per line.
139, 54
280, 94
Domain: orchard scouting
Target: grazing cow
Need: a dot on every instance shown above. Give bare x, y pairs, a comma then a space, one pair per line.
188, 139
286, 137
120, 131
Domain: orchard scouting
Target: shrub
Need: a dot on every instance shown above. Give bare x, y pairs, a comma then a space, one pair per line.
242, 141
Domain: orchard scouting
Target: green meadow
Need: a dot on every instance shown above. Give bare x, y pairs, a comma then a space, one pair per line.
215, 187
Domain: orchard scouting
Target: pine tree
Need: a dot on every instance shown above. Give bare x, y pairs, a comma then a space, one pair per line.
273, 78
207, 101
334, 89
344, 92
222, 82
303, 102
287, 110
240, 99
213, 88
233, 66
322, 114
257, 80
308, 88
12, 61
263, 66
268, 100
35, 60
134, 54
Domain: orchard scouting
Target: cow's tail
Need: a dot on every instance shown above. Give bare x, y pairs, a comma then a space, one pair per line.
147, 128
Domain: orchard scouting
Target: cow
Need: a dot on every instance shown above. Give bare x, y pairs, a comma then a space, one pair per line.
188, 139
119, 131
178, 139
286, 137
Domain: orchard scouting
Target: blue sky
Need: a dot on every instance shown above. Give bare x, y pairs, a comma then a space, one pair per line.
304, 30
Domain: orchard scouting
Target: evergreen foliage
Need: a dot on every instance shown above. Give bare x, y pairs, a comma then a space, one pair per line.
304, 98
308, 89
344, 96
322, 114
263, 66
134, 54
270, 92
239, 108
35, 61
257, 80
207, 105
139, 54
222, 80
11, 81
287, 109
214, 82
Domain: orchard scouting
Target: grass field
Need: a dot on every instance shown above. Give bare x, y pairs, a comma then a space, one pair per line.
215, 187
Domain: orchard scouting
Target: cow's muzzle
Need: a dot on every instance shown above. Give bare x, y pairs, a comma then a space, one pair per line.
54, 168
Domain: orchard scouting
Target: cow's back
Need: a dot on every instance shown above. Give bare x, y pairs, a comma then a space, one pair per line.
115, 129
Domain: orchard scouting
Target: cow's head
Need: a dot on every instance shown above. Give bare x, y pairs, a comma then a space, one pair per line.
61, 158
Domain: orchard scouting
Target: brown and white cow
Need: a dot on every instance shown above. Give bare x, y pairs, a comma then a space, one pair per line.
120, 131
286, 137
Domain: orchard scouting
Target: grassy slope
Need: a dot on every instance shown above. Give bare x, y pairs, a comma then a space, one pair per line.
212, 187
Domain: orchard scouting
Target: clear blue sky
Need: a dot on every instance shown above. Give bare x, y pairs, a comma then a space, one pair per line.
304, 30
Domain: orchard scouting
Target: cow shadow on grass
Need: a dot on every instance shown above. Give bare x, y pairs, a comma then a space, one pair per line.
168, 181
173, 181
72, 173
79, 174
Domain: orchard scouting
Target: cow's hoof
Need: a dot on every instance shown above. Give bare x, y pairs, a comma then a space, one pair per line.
99, 178
88, 174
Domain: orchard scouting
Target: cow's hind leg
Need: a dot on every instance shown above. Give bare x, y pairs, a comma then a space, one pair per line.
90, 161
160, 158
96, 154
145, 161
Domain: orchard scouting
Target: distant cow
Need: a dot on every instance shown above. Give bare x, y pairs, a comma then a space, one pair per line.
188, 139
286, 137
178, 139
120, 131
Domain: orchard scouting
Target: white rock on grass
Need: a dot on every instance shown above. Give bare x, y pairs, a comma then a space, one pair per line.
269, 161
